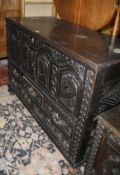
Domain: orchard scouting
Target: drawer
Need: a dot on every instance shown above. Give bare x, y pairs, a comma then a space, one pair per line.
35, 102
67, 121
58, 119
27, 90
52, 129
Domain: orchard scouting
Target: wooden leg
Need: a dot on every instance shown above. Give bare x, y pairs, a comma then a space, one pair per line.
10, 90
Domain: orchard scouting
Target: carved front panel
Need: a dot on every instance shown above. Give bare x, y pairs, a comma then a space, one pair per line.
15, 48
64, 89
24, 50
37, 103
43, 68
70, 88
67, 79
60, 88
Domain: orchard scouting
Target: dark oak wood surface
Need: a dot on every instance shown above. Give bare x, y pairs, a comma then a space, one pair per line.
104, 154
65, 76
89, 45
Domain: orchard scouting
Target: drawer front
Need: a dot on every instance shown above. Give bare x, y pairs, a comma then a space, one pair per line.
58, 119
53, 131
66, 86
37, 103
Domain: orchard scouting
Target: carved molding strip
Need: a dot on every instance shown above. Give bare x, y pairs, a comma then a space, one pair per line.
83, 114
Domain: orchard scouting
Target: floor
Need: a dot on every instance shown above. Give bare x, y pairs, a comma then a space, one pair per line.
25, 149
43, 158
3, 72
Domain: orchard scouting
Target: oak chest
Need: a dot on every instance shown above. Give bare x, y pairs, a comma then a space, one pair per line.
65, 76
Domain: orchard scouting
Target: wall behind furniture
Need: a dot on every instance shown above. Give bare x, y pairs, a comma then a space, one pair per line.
38, 7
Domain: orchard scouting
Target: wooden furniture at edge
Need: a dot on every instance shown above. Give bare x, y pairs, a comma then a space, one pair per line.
104, 155
96, 15
93, 14
8, 8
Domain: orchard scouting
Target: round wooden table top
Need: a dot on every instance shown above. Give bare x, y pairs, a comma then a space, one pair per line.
93, 14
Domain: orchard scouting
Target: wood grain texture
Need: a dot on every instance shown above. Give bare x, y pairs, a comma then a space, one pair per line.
93, 14
97, 14
68, 10
8, 8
